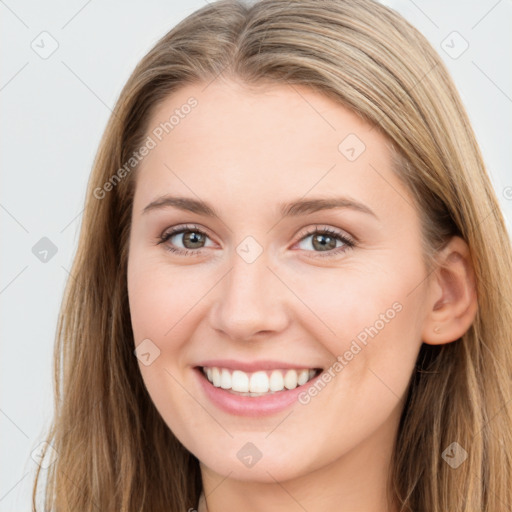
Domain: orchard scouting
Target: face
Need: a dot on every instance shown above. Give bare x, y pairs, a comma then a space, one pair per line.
306, 315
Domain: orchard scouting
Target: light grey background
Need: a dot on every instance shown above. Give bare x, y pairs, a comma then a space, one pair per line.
54, 113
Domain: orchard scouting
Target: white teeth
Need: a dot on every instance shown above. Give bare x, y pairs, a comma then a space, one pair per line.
302, 377
215, 377
290, 379
225, 379
276, 381
258, 383
240, 381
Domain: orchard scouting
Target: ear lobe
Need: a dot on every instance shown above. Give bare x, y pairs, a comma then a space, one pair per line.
452, 299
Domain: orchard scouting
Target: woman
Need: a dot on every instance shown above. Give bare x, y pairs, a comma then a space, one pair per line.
293, 281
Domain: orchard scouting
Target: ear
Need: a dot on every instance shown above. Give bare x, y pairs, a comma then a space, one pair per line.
451, 300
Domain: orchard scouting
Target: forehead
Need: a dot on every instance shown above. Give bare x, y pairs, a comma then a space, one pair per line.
263, 144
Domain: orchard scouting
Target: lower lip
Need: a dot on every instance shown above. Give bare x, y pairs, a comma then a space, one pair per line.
247, 405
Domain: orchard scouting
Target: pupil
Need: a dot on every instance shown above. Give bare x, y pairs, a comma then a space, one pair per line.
193, 237
325, 242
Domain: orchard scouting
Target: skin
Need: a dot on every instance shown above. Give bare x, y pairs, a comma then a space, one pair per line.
246, 151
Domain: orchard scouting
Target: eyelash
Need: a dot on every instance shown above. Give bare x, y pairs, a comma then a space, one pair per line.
347, 241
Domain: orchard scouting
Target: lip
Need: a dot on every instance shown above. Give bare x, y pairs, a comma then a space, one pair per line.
251, 406
253, 366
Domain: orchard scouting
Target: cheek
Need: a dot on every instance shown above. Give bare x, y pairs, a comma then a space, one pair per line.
158, 309
368, 320
344, 301
159, 297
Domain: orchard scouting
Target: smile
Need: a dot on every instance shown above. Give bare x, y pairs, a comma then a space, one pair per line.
258, 383
254, 388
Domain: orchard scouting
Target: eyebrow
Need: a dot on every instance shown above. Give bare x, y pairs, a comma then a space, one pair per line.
291, 209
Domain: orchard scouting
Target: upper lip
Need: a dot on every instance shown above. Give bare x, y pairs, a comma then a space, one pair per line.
253, 366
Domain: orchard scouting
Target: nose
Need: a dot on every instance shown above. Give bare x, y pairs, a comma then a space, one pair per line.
249, 301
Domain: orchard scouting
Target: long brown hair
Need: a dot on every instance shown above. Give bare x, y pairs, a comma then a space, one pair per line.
114, 451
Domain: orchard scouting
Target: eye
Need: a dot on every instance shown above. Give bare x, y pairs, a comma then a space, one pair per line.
192, 239
323, 240
326, 240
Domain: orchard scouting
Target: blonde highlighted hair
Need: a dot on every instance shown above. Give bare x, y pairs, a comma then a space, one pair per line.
114, 451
